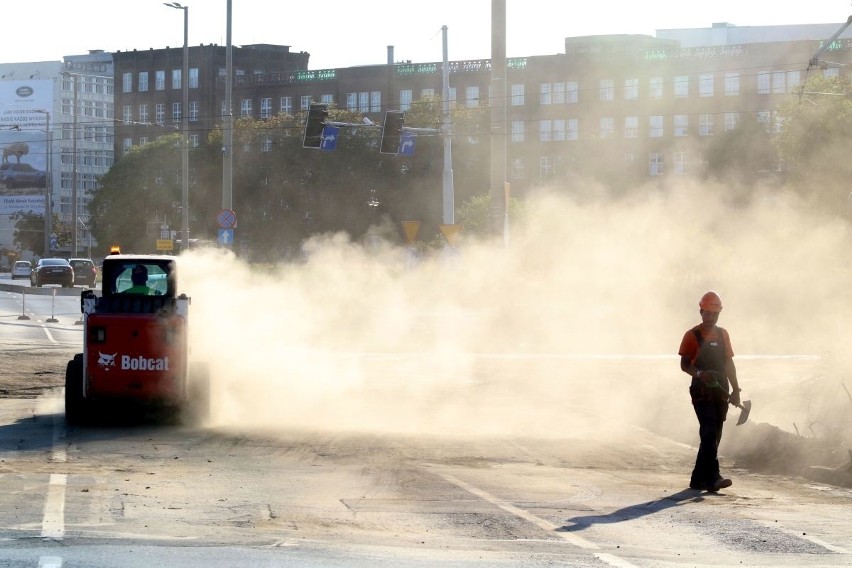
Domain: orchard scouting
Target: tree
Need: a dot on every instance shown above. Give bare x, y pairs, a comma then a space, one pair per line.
29, 232
815, 140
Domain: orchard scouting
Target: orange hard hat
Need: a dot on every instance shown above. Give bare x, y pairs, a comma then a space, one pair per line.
710, 302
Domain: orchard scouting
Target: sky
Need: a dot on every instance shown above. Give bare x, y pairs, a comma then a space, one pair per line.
340, 33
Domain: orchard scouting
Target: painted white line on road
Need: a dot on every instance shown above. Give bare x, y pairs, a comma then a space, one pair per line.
571, 538
50, 562
53, 522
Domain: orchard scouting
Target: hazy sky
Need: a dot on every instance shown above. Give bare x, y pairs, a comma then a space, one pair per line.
341, 33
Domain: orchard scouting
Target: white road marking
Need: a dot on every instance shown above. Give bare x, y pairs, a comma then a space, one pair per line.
49, 562
571, 538
53, 522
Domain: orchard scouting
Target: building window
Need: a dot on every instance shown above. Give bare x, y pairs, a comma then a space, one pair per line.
126, 83
573, 129
732, 84
265, 107
777, 122
572, 92
405, 99
364, 101
160, 113
223, 109
764, 118
631, 89
731, 120
143, 113
631, 126
705, 124
681, 86
559, 130
194, 140
126, 145
763, 82
607, 90
427, 93
681, 125
375, 101
655, 164
305, 102
194, 107
193, 78
831, 73
266, 146
655, 126
286, 105
143, 81
544, 94
517, 168
160, 80
559, 93
680, 163
176, 78
607, 127
705, 85
352, 102
518, 94
655, 88
143, 140
472, 97
327, 99
779, 83
545, 167
794, 79
246, 108
544, 130
517, 131
176, 112
127, 114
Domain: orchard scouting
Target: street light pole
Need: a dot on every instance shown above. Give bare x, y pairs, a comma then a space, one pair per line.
184, 83
74, 178
48, 212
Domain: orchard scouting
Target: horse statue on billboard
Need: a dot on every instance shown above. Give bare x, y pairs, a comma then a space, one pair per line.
16, 149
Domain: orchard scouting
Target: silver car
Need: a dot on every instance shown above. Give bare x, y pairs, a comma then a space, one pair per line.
22, 269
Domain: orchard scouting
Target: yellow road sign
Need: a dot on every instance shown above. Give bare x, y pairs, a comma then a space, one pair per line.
165, 244
411, 228
451, 233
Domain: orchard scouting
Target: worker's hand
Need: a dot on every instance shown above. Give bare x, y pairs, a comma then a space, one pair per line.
735, 397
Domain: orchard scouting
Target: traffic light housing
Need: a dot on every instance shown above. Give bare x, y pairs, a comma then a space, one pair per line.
392, 132
315, 125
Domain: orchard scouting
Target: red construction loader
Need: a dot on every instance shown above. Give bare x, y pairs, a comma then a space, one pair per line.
135, 346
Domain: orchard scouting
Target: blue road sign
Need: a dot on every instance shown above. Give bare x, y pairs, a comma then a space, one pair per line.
226, 237
406, 144
329, 138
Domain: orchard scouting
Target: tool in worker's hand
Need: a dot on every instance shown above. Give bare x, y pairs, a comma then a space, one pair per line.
746, 409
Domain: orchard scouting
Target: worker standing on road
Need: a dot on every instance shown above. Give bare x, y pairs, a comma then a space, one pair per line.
706, 355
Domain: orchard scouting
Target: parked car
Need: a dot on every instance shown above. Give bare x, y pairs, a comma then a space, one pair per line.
22, 269
85, 271
52, 271
21, 175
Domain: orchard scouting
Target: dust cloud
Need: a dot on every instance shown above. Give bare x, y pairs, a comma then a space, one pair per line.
576, 324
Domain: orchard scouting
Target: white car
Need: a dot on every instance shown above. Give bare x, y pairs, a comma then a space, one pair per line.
22, 269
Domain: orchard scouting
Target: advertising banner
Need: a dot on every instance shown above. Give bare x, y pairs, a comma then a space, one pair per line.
24, 139
11, 204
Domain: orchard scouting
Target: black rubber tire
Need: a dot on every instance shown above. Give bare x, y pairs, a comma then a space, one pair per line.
75, 404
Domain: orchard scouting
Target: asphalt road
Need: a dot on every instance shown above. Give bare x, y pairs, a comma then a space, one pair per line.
592, 490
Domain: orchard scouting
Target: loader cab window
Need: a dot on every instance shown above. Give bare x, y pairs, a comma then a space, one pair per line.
142, 278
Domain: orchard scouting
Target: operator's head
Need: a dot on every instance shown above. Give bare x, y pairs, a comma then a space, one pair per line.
139, 275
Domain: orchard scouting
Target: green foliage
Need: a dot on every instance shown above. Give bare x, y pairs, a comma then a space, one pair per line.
814, 143
284, 193
29, 232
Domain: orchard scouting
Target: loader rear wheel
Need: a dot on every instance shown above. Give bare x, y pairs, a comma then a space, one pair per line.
75, 404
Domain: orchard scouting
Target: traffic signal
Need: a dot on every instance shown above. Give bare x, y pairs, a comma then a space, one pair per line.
392, 132
315, 125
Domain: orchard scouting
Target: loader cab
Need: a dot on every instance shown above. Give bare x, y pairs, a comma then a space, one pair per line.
139, 275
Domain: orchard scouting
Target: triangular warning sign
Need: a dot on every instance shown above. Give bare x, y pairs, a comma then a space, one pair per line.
410, 228
451, 233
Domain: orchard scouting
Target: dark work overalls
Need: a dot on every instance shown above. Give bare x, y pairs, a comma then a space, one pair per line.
711, 407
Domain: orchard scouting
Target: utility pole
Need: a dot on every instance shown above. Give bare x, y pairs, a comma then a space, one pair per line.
499, 94
448, 189
228, 122
184, 115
